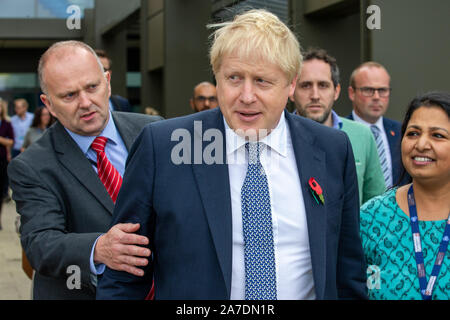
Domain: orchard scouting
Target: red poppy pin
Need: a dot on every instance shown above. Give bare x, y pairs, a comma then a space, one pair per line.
316, 190
392, 133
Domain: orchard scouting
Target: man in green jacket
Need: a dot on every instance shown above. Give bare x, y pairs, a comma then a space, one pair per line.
316, 91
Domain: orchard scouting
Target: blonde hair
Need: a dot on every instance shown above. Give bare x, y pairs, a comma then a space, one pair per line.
3, 110
257, 32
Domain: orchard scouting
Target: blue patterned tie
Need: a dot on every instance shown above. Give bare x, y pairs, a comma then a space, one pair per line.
381, 154
260, 274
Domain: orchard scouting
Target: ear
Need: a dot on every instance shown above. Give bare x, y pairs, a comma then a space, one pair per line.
46, 101
292, 86
337, 92
108, 81
351, 93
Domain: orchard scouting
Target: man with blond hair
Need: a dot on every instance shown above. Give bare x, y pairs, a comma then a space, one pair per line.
253, 207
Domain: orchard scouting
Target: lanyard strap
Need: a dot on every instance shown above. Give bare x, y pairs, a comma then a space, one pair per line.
426, 287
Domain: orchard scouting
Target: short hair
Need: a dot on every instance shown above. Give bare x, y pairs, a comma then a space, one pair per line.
22, 100
55, 46
257, 32
102, 54
367, 64
322, 55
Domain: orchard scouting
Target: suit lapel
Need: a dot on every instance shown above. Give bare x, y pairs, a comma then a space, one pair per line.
214, 186
311, 164
73, 159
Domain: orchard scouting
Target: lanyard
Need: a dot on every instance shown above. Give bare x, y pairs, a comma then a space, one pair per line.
426, 288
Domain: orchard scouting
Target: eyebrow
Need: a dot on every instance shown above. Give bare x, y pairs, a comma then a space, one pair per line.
432, 128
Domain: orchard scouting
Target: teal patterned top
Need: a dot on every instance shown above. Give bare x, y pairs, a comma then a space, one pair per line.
389, 250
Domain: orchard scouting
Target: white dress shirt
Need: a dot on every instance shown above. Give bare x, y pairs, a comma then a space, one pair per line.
387, 149
290, 232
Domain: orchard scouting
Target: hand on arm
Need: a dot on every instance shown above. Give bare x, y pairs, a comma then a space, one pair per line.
120, 249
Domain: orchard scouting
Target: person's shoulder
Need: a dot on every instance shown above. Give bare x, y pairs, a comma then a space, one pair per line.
392, 123
204, 119
386, 201
323, 136
357, 129
40, 153
137, 118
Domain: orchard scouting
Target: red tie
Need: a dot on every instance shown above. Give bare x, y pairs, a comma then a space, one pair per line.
109, 176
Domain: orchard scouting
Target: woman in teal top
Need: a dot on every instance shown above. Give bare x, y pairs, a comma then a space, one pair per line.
386, 228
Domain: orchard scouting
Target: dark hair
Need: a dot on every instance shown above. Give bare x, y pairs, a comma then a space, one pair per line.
37, 118
102, 54
438, 99
321, 54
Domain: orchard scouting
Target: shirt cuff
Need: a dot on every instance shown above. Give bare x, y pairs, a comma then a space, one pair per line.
96, 269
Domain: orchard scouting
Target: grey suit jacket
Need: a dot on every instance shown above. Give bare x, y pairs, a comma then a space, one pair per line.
64, 207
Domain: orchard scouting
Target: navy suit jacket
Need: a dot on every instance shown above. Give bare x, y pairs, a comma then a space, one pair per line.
120, 103
185, 210
394, 135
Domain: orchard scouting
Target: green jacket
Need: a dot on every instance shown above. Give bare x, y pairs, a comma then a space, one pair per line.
368, 168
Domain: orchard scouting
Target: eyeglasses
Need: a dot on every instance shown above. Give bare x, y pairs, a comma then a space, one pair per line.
203, 99
369, 91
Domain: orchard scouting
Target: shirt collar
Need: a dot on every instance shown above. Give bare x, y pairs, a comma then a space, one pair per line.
84, 142
379, 122
337, 122
276, 140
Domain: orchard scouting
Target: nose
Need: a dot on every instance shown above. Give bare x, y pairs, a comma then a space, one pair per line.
83, 100
423, 143
248, 92
315, 93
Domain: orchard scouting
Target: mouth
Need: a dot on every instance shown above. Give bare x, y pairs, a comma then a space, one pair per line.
421, 160
248, 116
87, 116
314, 107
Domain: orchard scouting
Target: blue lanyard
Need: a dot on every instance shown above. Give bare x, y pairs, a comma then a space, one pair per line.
426, 287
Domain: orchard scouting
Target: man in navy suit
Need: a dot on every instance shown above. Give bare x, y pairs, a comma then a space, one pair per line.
369, 92
116, 102
245, 201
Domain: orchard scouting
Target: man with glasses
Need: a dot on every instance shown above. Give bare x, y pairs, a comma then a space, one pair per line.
369, 92
204, 97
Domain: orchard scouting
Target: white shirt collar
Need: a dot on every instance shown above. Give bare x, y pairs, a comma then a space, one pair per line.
276, 139
379, 122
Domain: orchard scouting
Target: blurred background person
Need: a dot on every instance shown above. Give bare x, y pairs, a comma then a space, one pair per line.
6, 142
20, 122
204, 97
405, 231
116, 102
41, 121
151, 111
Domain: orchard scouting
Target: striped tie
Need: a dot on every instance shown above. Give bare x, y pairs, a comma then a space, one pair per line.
259, 255
109, 176
381, 154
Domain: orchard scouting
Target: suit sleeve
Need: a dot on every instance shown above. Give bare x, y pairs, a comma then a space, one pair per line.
133, 205
351, 277
374, 184
50, 248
